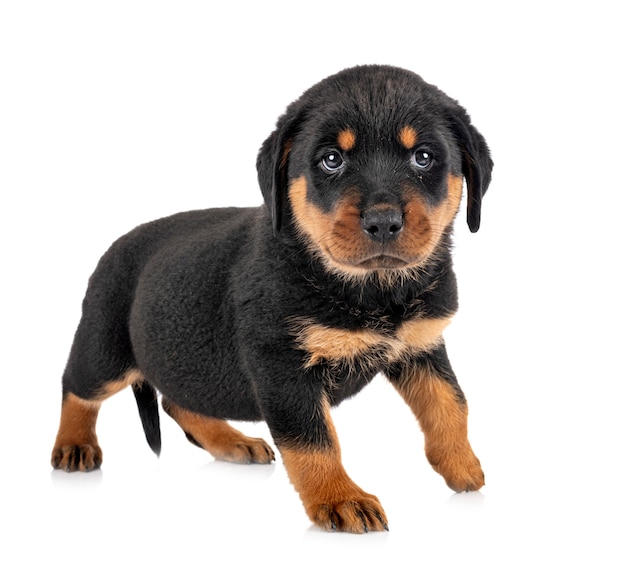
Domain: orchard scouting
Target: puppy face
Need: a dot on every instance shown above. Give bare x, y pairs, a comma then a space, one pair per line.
369, 199
367, 168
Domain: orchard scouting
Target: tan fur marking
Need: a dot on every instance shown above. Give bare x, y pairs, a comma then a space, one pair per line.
369, 346
334, 237
76, 447
408, 137
338, 239
331, 499
422, 334
424, 225
346, 140
443, 419
130, 377
448, 210
333, 344
219, 438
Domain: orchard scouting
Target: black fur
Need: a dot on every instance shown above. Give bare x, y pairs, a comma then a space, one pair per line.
203, 303
147, 399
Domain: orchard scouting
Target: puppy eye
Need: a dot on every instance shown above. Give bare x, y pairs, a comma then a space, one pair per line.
422, 159
332, 162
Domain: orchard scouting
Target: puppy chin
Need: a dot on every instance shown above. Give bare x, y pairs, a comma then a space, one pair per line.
360, 267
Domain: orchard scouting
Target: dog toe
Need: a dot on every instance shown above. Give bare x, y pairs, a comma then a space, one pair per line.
462, 473
252, 450
354, 516
77, 458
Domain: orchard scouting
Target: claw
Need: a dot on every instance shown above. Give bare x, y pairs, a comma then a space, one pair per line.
362, 516
384, 524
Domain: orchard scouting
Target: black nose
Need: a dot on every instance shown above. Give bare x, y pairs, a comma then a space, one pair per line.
382, 224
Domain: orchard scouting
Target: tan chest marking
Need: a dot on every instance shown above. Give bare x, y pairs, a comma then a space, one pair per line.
333, 345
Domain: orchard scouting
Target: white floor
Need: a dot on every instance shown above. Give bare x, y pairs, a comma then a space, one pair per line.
111, 115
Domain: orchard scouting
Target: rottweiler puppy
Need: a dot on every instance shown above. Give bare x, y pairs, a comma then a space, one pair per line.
280, 312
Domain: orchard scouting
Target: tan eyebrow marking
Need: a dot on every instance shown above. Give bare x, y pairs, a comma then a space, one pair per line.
408, 137
346, 139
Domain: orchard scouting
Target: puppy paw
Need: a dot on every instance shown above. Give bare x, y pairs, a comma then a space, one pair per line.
77, 457
247, 451
218, 437
461, 471
331, 499
358, 516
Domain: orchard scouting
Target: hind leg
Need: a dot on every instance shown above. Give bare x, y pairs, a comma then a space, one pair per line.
219, 438
76, 447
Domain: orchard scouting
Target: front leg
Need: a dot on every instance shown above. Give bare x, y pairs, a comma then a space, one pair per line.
429, 387
307, 440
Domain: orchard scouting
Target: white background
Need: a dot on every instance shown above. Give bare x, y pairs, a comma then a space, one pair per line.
115, 113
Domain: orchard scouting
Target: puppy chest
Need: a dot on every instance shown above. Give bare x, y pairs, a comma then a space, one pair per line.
365, 347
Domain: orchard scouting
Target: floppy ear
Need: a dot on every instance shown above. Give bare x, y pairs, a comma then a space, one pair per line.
477, 165
272, 164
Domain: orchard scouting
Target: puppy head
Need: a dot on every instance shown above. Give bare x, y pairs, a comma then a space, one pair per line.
367, 167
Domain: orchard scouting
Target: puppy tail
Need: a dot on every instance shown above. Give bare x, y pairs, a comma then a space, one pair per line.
148, 404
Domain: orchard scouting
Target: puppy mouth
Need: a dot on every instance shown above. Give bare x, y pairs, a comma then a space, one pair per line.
374, 262
382, 262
